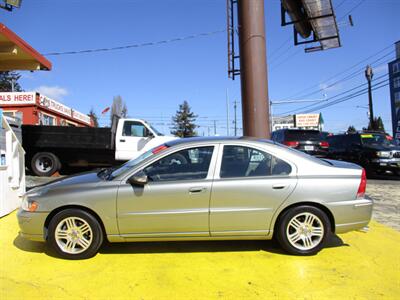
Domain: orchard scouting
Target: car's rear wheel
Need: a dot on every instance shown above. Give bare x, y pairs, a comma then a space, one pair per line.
303, 230
75, 234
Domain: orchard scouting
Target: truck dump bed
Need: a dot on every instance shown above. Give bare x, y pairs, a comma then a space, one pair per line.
67, 137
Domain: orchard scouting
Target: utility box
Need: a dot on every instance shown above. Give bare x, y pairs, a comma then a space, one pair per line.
12, 166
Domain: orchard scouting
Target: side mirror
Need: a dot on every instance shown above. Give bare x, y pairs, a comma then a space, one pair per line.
139, 179
149, 133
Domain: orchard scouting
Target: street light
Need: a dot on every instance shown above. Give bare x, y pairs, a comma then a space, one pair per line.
369, 74
10, 4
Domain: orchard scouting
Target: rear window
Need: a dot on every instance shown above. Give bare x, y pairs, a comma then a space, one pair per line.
303, 135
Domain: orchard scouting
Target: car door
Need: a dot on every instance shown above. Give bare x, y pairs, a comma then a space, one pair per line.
133, 139
175, 201
249, 185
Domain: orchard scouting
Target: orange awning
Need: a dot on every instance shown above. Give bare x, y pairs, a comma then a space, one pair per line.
16, 54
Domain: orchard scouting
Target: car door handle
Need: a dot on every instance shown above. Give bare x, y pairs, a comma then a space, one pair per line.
278, 186
197, 190
122, 141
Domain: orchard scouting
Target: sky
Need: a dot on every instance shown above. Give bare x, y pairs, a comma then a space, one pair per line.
153, 80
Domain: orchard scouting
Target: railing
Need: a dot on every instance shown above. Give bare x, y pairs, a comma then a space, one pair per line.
12, 167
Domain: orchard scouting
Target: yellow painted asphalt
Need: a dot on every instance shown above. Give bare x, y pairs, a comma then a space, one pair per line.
355, 266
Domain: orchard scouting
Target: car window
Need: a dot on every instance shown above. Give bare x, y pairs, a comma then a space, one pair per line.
188, 164
132, 128
240, 161
303, 135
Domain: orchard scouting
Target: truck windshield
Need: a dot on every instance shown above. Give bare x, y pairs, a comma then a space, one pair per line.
129, 164
376, 139
155, 130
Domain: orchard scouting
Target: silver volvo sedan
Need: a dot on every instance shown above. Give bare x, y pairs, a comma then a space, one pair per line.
201, 189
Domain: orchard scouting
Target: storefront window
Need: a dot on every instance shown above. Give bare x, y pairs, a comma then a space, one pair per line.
47, 120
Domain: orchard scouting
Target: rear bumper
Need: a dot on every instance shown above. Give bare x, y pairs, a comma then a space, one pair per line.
351, 215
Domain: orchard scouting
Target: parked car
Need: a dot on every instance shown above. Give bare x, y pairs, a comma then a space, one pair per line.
201, 189
374, 151
48, 148
312, 142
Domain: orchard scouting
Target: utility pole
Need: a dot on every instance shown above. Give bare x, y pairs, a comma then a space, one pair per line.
235, 121
227, 112
215, 127
253, 68
369, 74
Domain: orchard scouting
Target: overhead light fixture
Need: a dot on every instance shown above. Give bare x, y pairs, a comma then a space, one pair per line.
314, 21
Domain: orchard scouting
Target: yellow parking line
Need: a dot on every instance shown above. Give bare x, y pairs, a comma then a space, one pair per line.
356, 266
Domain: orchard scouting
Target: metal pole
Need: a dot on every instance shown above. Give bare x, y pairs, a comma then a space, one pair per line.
253, 68
369, 74
227, 112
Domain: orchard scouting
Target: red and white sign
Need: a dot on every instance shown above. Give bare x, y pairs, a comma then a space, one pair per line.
306, 120
55, 106
80, 116
18, 98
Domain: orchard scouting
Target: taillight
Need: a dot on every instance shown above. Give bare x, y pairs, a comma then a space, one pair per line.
159, 149
363, 185
324, 144
292, 144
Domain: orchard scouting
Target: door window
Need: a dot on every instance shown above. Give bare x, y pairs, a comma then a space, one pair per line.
132, 128
188, 164
239, 161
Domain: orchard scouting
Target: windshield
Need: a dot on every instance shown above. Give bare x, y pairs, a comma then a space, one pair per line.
155, 130
304, 135
374, 139
130, 164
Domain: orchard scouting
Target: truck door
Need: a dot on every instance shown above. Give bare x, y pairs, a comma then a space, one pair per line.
132, 139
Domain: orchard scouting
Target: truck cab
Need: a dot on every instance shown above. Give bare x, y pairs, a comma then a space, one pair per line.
134, 137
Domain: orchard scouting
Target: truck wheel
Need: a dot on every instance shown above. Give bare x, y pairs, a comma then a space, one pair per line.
45, 164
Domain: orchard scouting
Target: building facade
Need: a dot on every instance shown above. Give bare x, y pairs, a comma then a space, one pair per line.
394, 79
36, 109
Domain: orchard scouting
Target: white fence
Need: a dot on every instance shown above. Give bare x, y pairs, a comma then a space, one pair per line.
12, 167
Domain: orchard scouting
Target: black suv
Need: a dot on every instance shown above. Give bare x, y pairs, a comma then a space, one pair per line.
309, 141
374, 151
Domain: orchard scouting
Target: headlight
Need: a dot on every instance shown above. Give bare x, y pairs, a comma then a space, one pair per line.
385, 154
29, 205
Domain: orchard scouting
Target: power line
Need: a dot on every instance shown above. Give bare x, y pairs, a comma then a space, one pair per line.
347, 78
333, 97
341, 73
173, 40
352, 9
378, 85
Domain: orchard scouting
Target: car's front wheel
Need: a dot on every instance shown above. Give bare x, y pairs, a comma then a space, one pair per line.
303, 230
75, 234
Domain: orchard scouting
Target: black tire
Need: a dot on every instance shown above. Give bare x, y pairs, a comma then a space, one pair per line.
45, 164
94, 238
283, 230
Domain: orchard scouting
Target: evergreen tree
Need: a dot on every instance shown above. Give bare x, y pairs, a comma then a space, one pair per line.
7, 79
183, 121
351, 129
377, 125
92, 114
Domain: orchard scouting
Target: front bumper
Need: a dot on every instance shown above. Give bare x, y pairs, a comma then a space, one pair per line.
351, 215
386, 164
31, 224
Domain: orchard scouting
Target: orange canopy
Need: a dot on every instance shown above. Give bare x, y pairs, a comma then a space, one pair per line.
16, 54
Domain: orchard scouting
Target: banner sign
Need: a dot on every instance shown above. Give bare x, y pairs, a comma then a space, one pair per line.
80, 116
306, 120
18, 98
55, 106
